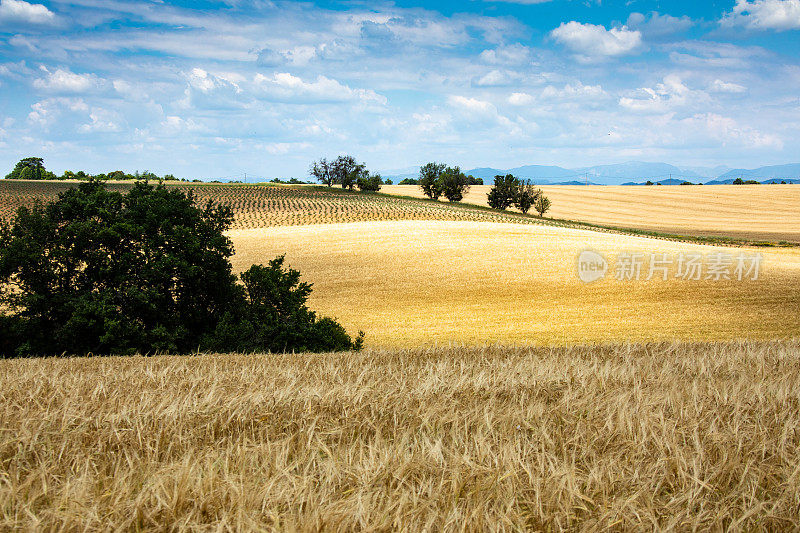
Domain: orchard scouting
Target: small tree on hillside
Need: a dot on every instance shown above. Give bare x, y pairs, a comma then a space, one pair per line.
542, 204
429, 181
526, 196
321, 171
504, 191
346, 171
454, 184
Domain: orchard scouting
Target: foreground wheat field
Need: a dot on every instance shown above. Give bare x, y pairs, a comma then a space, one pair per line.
412, 283
759, 212
658, 436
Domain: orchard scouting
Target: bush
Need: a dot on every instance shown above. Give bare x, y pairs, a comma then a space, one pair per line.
105, 273
409, 181
369, 182
504, 192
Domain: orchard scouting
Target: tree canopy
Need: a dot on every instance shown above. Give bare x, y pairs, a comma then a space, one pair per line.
148, 271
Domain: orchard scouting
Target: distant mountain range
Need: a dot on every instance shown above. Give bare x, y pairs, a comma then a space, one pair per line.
629, 173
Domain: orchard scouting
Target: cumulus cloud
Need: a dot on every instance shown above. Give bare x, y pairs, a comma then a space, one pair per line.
102, 121
283, 86
592, 41
664, 97
728, 131
45, 112
779, 15
515, 54
19, 10
520, 99
657, 25
570, 91
64, 80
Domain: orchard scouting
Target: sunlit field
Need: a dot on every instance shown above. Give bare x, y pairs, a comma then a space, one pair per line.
757, 212
666, 437
414, 282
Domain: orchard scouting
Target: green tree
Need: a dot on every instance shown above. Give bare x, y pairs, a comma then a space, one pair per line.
504, 191
429, 181
369, 182
542, 204
101, 272
454, 184
322, 171
346, 171
526, 195
30, 168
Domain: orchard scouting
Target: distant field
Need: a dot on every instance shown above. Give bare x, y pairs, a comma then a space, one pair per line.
621, 438
258, 206
756, 212
410, 283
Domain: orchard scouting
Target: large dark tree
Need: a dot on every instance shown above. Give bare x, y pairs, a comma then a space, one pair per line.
429, 179
504, 191
30, 168
322, 171
454, 184
346, 171
149, 271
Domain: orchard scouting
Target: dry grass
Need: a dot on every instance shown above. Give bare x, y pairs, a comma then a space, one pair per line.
756, 212
414, 283
664, 436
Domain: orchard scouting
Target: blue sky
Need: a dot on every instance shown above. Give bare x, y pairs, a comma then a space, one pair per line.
216, 89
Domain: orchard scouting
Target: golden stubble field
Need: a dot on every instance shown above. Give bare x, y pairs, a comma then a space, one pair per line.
623, 438
411, 283
756, 212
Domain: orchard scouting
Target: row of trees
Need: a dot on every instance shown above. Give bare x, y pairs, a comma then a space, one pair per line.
345, 171
149, 271
32, 168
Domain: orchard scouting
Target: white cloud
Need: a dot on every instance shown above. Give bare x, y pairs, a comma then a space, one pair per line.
589, 40
46, 111
719, 86
658, 25
102, 121
19, 10
728, 131
777, 15
578, 90
515, 54
664, 97
63, 80
495, 78
520, 99
283, 86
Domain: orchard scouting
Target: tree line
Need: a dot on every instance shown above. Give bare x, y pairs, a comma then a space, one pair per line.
435, 180
32, 168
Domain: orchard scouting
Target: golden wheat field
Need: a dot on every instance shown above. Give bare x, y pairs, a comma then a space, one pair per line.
756, 212
408, 283
648, 437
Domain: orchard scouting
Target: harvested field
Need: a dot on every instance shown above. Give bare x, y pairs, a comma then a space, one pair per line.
630, 437
754, 212
414, 283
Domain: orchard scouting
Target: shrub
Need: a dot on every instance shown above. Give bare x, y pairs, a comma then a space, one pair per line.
454, 184
526, 195
369, 182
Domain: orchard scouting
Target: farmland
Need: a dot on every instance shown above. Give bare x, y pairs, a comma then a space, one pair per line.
409, 283
629, 437
756, 212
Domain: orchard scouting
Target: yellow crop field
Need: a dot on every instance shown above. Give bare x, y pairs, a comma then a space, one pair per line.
630, 437
756, 212
409, 283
